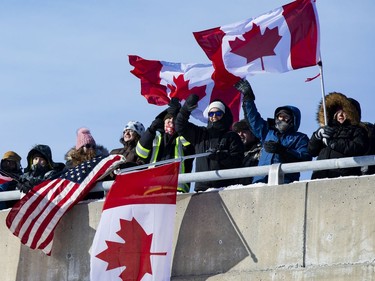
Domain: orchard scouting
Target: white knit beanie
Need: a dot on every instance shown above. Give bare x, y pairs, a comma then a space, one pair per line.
218, 105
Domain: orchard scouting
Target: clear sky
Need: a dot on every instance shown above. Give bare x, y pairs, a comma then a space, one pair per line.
64, 64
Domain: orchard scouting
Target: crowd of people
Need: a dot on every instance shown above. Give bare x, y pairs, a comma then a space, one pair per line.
252, 141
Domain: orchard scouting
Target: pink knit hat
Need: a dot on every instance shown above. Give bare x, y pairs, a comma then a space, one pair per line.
84, 137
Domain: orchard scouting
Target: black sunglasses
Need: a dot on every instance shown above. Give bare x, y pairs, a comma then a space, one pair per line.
89, 146
217, 113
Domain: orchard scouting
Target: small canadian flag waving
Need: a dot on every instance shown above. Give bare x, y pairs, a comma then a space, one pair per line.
134, 237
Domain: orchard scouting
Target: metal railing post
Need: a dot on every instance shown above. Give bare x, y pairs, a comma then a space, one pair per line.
275, 175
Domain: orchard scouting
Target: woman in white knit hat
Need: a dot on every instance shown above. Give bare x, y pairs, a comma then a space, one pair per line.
226, 147
131, 134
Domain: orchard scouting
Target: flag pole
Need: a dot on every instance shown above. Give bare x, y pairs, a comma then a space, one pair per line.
323, 91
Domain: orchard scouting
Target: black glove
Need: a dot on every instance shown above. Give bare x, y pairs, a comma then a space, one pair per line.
325, 132
274, 147
39, 171
191, 103
24, 187
245, 88
26, 184
157, 124
218, 155
174, 106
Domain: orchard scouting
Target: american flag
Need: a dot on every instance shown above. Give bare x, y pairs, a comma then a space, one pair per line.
34, 218
4, 179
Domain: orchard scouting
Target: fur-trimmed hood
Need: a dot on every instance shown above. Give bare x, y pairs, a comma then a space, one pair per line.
334, 101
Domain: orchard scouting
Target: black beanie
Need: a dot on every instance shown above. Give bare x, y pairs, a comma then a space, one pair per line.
286, 111
240, 126
167, 116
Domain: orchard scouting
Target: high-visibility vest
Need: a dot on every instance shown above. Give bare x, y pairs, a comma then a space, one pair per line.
178, 152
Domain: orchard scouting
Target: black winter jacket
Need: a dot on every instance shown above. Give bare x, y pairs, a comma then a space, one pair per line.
35, 175
251, 159
349, 139
213, 137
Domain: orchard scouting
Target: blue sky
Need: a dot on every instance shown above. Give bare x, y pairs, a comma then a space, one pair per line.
64, 64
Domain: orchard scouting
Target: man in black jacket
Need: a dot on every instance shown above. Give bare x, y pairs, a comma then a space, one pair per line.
252, 147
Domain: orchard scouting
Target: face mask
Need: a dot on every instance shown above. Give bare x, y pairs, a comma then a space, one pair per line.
282, 126
169, 129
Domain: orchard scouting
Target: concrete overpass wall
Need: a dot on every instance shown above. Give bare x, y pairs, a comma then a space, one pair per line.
318, 230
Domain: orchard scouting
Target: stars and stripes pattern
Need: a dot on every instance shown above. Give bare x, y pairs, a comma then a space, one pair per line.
4, 179
34, 218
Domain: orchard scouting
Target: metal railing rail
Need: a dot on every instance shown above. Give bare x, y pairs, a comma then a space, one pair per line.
275, 172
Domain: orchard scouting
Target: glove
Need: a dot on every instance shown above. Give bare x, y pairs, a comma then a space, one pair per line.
274, 147
39, 171
324, 132
191, 103
157, 124
174, 106
329, 142
245, 88
24, 187
218, 155
26, 184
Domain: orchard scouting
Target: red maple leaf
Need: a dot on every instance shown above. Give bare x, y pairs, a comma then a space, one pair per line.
182, 91
134, 253
256, 45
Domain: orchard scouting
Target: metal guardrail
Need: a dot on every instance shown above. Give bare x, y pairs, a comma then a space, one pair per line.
275, 172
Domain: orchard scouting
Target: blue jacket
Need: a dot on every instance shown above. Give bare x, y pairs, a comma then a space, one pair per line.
295, 142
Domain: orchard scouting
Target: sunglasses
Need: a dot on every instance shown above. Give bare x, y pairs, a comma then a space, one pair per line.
217, 113
89, 146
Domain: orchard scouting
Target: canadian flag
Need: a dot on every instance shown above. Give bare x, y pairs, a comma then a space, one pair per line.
281, 40
134, 238
161, 81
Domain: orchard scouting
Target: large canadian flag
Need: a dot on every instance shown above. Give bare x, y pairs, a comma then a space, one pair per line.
161, 81
281, 40
135, 233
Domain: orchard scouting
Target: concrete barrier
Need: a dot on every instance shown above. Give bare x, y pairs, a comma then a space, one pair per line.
313, 230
